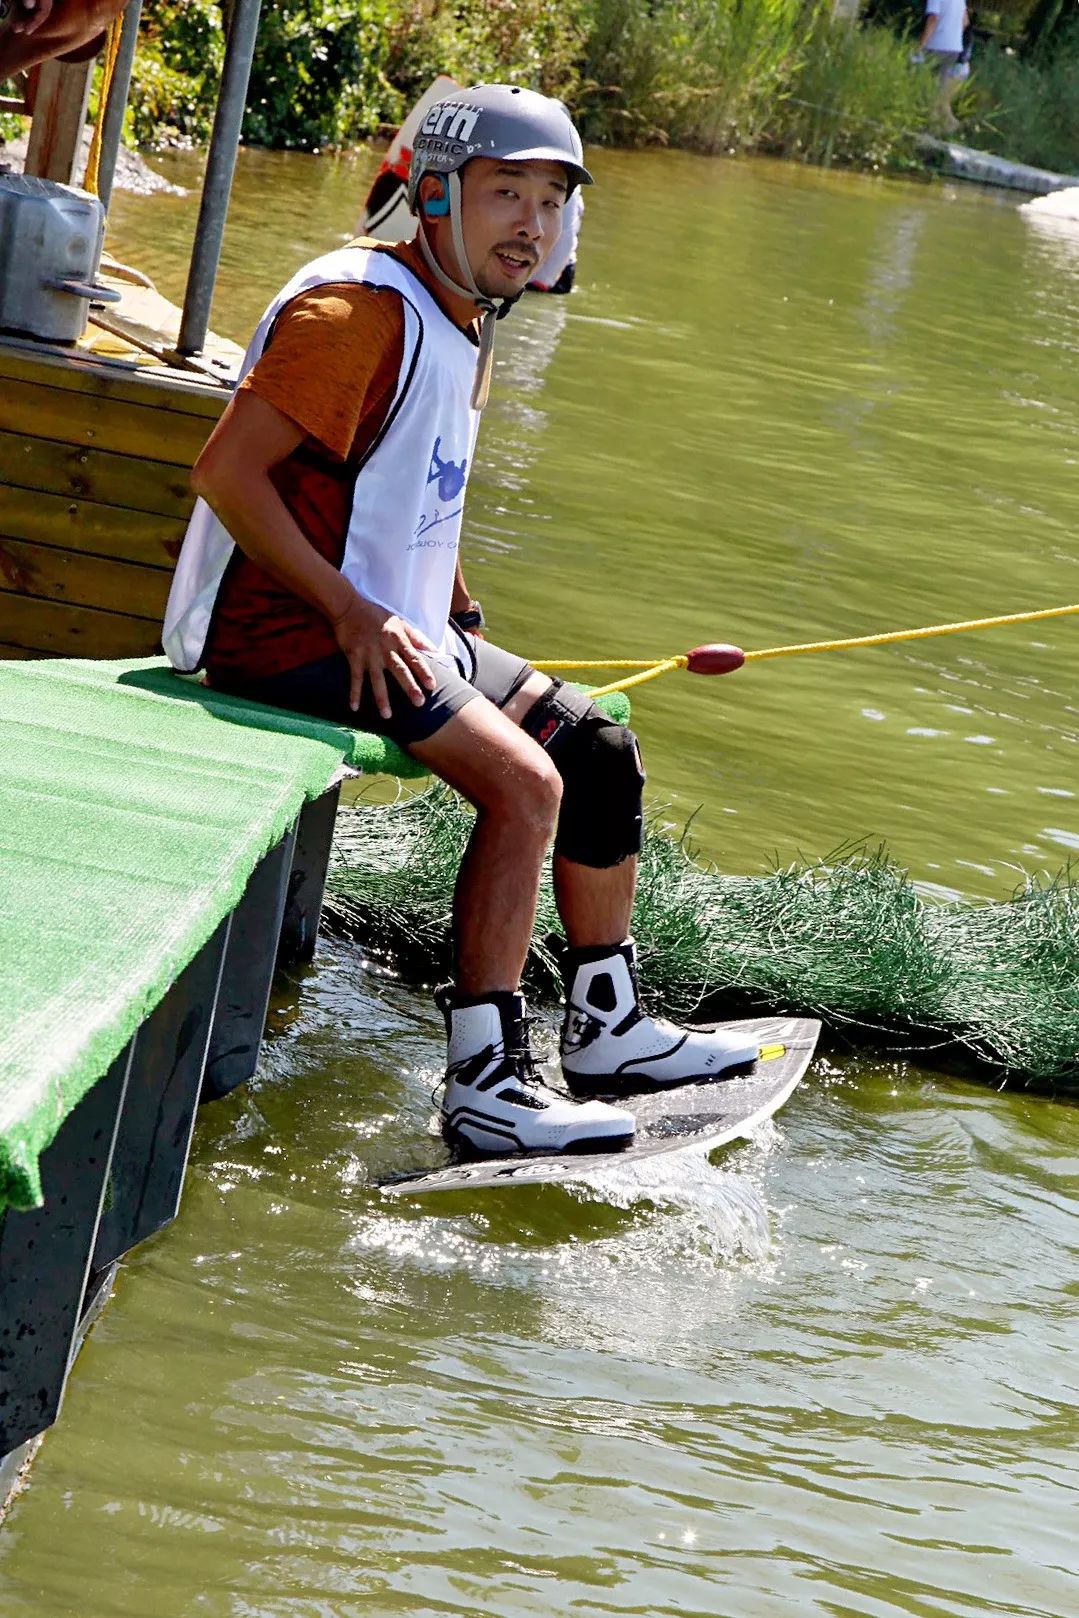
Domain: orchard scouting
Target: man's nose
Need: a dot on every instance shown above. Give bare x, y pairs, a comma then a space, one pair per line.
530, 221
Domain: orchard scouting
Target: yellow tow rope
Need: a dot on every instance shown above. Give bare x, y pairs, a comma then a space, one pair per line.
93, 158
652, 668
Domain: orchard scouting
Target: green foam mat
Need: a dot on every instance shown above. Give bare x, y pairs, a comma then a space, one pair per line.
134, 805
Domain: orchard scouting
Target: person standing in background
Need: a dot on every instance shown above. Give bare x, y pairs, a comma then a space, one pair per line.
941, 43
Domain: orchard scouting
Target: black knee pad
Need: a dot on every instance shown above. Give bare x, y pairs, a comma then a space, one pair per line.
601, 819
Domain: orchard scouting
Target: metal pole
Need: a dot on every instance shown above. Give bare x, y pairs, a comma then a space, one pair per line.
217, 186
113, 127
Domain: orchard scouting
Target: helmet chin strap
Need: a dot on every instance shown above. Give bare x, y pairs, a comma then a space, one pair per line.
481, 386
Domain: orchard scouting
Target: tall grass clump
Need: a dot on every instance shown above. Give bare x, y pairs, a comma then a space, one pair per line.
1027, 108
855, 98
525, 41
848, 939
775, 75
693, 73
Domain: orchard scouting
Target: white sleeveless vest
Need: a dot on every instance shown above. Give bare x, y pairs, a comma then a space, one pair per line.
405, 525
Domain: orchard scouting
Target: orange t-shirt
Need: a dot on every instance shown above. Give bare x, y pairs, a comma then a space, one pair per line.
331, 366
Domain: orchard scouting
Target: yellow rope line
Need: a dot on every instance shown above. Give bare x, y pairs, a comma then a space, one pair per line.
655, 667
93, 160
549, 663
652, 673
913, 634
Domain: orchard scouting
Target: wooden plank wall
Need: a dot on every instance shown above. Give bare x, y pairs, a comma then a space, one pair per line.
94, 499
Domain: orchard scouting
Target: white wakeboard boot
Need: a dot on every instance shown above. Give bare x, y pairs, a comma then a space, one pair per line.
493, 1100
610, 1047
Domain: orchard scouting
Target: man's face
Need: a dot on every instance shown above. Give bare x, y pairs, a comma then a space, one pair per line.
511, 216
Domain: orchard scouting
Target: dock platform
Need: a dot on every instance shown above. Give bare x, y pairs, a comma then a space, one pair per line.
164, 848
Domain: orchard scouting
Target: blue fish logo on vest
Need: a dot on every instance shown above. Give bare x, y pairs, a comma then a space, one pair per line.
450, 477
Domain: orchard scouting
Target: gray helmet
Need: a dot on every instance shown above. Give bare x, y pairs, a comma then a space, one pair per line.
495, 120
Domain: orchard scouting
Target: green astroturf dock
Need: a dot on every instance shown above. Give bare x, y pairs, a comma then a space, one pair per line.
133, 809
134, 805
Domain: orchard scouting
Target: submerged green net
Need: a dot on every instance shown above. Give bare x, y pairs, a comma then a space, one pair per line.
992, 987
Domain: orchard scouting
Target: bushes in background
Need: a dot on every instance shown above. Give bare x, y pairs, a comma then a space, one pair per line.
713, 75
335, 72
1027, 107
177, 71
777, 75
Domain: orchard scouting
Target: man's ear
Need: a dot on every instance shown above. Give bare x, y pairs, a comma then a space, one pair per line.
434, 196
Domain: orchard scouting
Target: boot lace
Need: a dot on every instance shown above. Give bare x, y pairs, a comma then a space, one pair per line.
521, 1060
516, 1065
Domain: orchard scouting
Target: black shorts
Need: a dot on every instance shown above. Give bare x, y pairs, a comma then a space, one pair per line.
476, 668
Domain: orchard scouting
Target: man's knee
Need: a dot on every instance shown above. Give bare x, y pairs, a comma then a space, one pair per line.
602, 816
601, 822
528, 791
542, 792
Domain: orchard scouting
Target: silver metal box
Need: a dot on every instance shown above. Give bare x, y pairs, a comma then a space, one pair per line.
50, 248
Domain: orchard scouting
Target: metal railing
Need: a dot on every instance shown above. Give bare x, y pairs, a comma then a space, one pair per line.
217, 184
113, 128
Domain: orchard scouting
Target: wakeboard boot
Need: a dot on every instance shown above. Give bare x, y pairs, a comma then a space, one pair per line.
494, 1102
610, 1047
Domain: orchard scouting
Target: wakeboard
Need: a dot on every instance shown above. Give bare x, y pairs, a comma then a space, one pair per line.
691, 1115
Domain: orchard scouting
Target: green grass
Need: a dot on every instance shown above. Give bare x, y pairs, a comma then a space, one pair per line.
1026, 109
989, 987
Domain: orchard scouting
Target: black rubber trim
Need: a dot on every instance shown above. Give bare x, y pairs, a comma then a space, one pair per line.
599, 1086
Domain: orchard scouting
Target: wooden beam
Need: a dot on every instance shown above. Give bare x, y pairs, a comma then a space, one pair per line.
55, 145
117, 534
102, 423
122, 482
53, 629
84, 581
25, 361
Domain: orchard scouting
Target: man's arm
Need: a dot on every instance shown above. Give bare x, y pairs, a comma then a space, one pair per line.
233, 476
460, 600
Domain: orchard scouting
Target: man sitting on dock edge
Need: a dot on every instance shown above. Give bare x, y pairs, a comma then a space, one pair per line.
320, 572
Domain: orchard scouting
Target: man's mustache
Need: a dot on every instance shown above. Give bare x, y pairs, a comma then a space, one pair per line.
518, 250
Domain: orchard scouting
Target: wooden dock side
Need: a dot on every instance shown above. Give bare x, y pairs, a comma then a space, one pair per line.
95, 457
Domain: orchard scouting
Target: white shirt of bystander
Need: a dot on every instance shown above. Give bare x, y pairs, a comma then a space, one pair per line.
948, 34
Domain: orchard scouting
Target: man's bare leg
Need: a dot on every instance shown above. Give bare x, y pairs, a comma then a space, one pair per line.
516, 791
595, 904
606, 1034
490, 1101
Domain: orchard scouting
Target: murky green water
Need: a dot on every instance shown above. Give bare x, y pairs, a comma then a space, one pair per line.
836, 1374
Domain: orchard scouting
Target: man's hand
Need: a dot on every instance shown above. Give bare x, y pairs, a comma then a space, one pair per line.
29, 15
377, 643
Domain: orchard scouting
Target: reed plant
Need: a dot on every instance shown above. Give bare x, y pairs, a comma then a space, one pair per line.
993, 988
776, 75
855, 98
705, 74
1026, 107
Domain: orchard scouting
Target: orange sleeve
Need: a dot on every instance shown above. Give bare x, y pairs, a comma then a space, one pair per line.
332, 363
